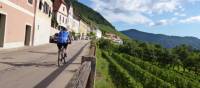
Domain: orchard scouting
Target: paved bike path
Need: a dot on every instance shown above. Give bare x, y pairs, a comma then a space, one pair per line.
37, 67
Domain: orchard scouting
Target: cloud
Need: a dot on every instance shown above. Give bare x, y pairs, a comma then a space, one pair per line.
180, 14
191, 19
143, 6
140, 11
166, 6
135, 18
163, 22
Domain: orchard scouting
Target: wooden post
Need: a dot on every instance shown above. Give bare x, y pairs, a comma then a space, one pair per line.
93, 70
81, 77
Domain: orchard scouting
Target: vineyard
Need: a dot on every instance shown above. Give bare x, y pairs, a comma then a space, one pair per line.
128, 71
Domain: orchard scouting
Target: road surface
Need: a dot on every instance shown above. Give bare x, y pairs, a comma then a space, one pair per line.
36, 67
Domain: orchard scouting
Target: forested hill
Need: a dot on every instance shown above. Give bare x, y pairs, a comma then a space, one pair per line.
91, 16
164, 40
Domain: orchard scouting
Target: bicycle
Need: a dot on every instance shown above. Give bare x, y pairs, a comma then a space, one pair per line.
61, 56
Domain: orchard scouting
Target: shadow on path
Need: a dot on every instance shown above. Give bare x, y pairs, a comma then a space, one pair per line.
51, 53
45, 82
17, 64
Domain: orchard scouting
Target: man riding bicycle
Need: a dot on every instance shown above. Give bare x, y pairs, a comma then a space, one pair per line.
63, 39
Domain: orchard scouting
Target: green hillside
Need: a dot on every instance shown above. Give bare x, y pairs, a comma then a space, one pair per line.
137, 64
91, 16
94, 18
146, 65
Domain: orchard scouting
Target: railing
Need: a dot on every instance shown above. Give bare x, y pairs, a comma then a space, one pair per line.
85, 75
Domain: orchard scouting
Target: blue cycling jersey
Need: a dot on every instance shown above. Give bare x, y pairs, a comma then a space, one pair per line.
63, 37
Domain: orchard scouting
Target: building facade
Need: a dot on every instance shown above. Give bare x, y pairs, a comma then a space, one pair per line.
60, 12
16, 23
98, 33
73, 21
42, 22
84, 27
70, 18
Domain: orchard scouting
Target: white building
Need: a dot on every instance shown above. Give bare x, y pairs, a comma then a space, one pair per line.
60, 12
98, 33
73, 22
42, 22
70, 18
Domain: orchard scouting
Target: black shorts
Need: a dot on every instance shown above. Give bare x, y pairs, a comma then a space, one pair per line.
60, 45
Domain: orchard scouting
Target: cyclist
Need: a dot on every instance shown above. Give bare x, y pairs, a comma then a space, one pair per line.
63, 39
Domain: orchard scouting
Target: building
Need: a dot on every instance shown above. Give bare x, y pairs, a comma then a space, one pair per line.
60, 12
76, 25
73, 21
114, 38
70, 18
16, 23
84, 28
98, 33
42, 24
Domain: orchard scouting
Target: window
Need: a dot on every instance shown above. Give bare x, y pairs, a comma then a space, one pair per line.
30, 1
49, 12
63, 8
46, 8
63, 19
66, 20
38, 27
40, 5
60, 19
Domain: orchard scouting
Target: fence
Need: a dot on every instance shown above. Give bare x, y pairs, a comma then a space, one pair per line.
85, 75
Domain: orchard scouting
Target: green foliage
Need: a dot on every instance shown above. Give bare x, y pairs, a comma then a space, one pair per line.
172, 77
146, 64
103, 79
181, 56
120, 77
89, 14
105, 44
147, 79
73, 33
92, 35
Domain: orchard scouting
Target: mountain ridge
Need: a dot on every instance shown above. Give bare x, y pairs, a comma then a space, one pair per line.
164, 40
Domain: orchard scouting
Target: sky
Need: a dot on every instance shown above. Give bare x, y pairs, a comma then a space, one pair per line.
170, 17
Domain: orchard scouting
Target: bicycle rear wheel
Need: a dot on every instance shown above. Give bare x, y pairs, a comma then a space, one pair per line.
61, 57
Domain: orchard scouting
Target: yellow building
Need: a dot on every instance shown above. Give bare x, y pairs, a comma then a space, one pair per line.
84, 28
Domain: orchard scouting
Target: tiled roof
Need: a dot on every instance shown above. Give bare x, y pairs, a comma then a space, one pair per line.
57, 3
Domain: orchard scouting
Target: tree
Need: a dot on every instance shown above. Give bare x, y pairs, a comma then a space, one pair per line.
105, 44
182, 51
193, 62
